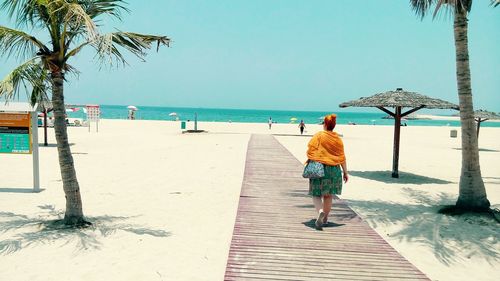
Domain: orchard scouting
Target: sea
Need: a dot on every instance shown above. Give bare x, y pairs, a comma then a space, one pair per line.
258, 116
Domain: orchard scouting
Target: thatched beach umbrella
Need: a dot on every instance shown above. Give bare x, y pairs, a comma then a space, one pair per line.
483, 115
399, 99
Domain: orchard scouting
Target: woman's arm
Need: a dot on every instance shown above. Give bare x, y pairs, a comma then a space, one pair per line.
344, 171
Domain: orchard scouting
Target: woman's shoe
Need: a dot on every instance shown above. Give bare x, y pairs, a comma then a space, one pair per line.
319, 220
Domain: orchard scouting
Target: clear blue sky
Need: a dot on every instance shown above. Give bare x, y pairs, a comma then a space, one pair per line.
288, 54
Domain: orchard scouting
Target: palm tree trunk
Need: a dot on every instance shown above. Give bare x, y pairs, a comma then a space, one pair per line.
472, 194
74, 212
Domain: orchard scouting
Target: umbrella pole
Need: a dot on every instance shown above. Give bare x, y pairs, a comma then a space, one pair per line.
196, 121
478, 126
45, 143
397, 132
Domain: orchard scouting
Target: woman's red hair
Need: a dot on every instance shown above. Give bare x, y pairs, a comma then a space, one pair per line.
330, 121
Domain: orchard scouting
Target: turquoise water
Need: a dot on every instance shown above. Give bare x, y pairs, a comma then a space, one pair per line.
259, 116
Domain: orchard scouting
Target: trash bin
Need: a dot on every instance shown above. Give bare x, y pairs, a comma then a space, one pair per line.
183, 125
453, 133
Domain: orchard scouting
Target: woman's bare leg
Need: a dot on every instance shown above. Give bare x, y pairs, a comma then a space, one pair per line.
318, 203
327, 206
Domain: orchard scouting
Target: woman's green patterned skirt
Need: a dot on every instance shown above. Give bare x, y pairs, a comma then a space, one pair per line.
331, 183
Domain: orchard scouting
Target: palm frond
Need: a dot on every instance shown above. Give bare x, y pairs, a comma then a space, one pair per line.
423, 7
14, 6
28, 12
71, 70
77, 16
29, 74
95, 8
40, 90
76, 50
14, 41
107, 45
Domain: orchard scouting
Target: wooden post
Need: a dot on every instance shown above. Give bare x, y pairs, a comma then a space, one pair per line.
196, 121
397, 132
34, 151
45, 142
478, 120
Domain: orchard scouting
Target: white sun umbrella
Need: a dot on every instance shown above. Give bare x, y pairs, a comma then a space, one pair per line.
172, 114
131, 107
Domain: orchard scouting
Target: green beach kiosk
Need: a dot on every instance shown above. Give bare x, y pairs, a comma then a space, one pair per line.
19, 133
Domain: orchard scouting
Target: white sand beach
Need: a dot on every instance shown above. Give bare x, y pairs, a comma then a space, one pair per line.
164, 203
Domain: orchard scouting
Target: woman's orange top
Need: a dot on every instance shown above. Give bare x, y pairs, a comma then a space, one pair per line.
326, 147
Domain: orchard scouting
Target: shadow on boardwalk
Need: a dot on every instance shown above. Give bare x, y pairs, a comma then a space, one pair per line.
312, 224
45, 229
476, 235
404, 177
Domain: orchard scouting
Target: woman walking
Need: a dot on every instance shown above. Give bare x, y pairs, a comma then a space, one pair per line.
327, 148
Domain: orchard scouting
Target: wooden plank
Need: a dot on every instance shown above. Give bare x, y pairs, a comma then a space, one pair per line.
340, 263
291, 253
274, 237
325, 270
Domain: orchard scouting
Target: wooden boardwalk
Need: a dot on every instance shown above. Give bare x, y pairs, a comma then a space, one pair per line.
274, 236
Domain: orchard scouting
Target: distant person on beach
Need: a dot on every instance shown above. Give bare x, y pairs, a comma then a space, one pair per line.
131, 114
327, 148
302, 126
270, 122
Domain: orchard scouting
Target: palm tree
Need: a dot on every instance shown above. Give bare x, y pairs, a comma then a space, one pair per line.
472, 193
71, 25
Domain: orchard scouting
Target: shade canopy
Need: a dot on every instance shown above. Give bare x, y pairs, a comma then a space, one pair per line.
483, 114
399, 99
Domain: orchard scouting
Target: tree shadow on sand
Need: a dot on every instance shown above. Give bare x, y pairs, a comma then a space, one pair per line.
475, 235
45, 229
49, 145
480, 149
18, 190
491, 180
404, 177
